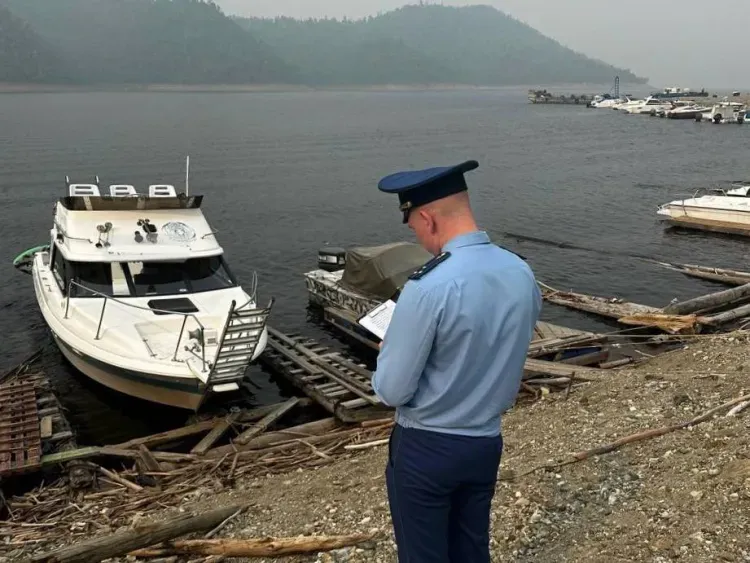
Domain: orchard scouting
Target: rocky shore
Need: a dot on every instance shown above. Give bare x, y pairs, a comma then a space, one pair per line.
682, 496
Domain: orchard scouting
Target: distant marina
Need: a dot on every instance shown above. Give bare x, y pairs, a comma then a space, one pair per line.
671, 102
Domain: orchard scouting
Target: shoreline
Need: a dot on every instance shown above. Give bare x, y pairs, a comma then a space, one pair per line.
28, 88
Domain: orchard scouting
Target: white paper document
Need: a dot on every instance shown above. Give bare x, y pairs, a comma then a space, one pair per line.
377, 320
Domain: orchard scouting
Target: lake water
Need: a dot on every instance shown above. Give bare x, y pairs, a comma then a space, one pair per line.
286, 173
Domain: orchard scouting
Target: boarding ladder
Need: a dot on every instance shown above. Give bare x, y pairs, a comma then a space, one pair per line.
239, 340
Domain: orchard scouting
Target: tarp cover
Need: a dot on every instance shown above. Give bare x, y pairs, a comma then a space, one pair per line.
378, 271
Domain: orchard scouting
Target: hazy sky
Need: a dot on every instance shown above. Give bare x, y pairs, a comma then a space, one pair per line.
686, 43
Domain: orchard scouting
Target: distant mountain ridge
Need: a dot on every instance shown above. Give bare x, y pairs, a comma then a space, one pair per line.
194, 42
476, 45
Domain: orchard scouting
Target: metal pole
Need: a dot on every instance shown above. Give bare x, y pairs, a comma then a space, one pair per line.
67, 299
203, 349
101, 318
177, 348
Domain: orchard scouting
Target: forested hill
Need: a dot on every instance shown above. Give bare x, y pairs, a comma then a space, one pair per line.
471, 45
151, 41
24, 56
194, 42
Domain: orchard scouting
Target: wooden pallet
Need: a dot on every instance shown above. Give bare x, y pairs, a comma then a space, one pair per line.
20, 432
339, 384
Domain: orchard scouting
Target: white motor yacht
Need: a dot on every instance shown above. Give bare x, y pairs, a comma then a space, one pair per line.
139, 297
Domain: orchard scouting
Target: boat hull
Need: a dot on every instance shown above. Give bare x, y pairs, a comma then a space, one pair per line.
738, 216
184, 395
707, 218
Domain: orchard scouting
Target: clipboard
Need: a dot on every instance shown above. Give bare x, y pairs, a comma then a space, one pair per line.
377, 320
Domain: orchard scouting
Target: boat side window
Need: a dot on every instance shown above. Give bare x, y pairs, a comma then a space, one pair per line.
106, 278
170, 278
60, 270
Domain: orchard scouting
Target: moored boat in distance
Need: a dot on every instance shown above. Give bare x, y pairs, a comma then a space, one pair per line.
719, 213
674, 92
545, 97
724, 112
138, 295
645, 107
687, 111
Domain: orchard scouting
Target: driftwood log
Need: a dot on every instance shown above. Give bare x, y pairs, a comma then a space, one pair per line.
263, 547
709, 302
727, 316
98, 549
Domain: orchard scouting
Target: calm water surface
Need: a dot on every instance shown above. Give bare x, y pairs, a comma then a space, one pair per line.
285, 173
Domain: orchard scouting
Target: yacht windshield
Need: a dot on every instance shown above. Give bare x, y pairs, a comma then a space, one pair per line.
141, 279
170, 278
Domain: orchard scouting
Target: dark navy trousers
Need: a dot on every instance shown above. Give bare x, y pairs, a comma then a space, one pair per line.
440, 488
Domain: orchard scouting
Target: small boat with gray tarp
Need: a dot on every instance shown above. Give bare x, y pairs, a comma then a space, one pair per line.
350, 282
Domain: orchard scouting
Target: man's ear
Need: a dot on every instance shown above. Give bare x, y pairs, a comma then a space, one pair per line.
429, 220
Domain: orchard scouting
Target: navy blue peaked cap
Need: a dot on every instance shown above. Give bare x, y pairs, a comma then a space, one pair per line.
418, 187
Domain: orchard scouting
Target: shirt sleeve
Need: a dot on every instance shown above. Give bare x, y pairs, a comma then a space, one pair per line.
406, 346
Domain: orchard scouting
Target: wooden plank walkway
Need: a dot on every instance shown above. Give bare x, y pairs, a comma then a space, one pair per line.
20, 434
340, 384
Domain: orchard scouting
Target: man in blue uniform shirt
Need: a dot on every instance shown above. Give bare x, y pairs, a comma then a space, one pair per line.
451, 363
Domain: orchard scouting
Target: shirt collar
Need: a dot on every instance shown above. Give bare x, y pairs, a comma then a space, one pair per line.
467, 239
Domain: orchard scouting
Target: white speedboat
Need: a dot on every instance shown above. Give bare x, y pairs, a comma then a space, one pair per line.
648, 106
626, 104
689, 111
721, 213
138, 295
602, 102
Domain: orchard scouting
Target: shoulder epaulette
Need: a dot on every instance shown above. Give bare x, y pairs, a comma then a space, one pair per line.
516, 253
429, 266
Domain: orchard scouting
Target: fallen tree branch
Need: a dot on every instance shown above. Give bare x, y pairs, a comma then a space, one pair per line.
367, 445
264, 547
738, 409
98, 549
637, 437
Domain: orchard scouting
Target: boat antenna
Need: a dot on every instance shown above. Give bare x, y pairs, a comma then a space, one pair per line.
187, 175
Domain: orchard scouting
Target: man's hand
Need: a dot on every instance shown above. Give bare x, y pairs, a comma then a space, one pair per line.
380, 346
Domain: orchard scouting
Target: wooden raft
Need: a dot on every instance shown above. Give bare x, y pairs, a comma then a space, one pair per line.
20, 433
342, 386
339, 384
548, 331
